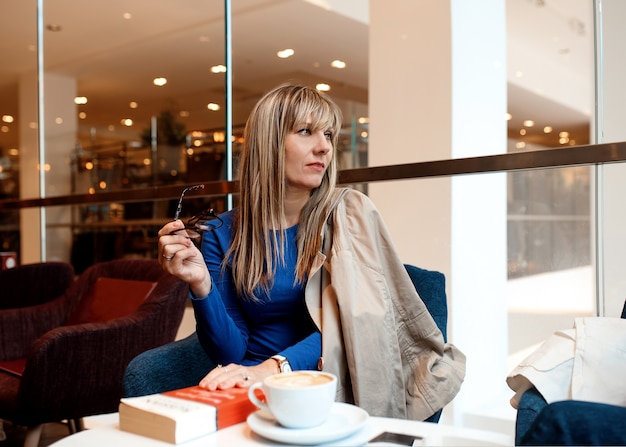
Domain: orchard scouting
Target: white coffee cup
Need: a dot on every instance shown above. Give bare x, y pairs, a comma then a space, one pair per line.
297, 399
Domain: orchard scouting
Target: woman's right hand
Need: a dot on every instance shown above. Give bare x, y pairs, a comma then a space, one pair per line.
179, 256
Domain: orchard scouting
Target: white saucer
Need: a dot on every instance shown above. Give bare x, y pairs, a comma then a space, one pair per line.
344, 420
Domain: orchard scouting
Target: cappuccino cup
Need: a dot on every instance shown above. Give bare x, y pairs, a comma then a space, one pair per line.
297, 399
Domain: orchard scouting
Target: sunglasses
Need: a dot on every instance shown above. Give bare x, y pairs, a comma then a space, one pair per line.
206, 220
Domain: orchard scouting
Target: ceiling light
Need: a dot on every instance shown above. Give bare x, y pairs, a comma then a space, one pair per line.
529, 123
127, 122
82, 115
563, 134
338, 64
520, 145
218, 69
160, 82
547, 129
80, 100
284, 54
213, 107
522, 132
4, 129
322, 87
133, 105
7, 118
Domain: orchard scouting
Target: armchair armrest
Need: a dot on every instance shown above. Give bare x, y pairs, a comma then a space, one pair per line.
20, 327
81, 367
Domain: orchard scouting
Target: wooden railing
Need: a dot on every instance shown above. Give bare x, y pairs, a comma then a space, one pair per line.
551, 158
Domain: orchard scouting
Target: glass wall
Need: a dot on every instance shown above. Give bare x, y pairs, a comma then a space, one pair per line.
135, 96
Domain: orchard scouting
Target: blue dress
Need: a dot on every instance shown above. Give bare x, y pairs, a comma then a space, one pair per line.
236, 330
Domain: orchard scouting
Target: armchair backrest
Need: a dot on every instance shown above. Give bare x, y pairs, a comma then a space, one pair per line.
431, 287
32, 284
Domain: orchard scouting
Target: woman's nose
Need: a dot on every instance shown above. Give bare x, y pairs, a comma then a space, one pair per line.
323, 144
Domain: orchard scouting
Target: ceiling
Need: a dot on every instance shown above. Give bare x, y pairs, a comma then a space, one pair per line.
114, 59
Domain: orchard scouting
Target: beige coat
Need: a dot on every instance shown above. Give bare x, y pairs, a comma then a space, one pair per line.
377, 335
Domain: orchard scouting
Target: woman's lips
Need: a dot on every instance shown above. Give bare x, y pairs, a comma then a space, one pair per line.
320, 167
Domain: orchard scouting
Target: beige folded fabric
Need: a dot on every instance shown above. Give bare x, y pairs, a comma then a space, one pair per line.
586, 363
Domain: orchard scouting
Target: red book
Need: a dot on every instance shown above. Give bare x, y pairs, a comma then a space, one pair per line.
181, 415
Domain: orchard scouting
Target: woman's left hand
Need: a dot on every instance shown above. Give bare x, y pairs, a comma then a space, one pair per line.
234, 375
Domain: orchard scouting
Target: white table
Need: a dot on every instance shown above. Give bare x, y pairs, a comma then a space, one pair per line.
241, 435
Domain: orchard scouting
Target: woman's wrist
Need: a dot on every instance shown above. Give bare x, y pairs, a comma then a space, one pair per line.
202, 289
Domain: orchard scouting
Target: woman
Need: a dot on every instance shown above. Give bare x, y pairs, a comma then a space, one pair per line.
260, 293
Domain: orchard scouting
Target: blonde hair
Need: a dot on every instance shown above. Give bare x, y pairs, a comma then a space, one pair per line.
256, 249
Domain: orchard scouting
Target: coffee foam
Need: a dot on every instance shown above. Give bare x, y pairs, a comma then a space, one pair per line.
299, 380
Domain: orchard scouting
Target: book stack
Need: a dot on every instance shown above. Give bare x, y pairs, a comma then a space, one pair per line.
185, 414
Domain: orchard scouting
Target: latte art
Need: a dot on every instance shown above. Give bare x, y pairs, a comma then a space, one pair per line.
298, 380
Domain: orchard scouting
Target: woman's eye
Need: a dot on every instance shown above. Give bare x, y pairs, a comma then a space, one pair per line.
305, 131
329, 135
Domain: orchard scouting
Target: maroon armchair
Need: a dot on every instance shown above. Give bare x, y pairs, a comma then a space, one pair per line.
74, 349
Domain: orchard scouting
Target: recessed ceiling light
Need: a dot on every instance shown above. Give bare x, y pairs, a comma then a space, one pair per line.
218, 69
338, 64
322, 87
133, 105
160, 82
213, 106
80, 100
529, 123
284, 54
7, 118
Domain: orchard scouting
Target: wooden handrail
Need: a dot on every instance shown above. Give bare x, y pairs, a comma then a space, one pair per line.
551, 158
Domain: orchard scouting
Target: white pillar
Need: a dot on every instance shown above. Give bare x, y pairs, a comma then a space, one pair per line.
437, 88
60, 121
611, 62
